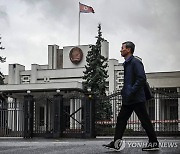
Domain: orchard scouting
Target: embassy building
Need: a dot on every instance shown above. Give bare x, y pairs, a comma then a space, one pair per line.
63, 74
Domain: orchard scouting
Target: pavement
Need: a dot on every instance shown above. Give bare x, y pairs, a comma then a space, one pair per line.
133, 145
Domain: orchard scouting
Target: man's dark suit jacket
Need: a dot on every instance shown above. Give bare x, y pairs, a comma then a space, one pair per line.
134, 80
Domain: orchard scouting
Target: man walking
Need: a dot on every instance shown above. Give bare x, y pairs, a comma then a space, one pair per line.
133, 99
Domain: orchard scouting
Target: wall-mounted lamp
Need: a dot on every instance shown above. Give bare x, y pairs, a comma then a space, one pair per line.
28, 91
58, 90
89, 89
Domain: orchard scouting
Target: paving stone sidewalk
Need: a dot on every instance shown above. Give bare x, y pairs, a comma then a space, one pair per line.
133, 145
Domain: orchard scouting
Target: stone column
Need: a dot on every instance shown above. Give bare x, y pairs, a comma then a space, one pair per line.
14, 73
33, 73
52, 56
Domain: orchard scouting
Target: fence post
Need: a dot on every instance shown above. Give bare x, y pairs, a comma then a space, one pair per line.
89, 110
178, 92
3, 116
58, 116
28, 116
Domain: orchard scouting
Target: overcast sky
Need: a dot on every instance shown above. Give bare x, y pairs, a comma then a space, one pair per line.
27, 27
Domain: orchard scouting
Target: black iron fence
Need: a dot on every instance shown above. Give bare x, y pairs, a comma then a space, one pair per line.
163, 109
84, 115
11, 118
67, 115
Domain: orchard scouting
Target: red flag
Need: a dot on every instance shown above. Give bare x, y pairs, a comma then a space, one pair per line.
85, 9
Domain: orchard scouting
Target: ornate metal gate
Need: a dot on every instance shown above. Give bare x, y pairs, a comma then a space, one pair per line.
43, 117
78, 111
67, 115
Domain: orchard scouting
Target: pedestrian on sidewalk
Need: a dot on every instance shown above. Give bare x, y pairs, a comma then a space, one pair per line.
133, 99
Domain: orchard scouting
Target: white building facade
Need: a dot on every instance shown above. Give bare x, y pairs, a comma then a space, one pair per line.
60, 68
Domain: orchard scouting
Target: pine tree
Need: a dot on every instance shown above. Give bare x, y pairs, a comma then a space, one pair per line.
95, 74
95, 77
2, 60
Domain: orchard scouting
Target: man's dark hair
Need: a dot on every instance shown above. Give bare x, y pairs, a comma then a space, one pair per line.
130, 45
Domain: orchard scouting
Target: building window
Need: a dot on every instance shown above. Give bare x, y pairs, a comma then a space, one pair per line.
121, 80
118, 87
46, 79
119, 74
25, 79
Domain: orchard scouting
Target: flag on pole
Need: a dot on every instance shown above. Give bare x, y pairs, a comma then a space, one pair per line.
85, 9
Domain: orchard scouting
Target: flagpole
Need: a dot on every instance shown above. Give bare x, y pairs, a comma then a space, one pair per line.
83, 9
79, 28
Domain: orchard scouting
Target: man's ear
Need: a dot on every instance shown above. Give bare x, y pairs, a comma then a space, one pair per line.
129, 50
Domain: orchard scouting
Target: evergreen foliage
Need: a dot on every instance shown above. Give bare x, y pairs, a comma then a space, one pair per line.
95, 74
95, 77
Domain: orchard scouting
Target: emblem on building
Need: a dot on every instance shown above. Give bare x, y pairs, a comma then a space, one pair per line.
76, 55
